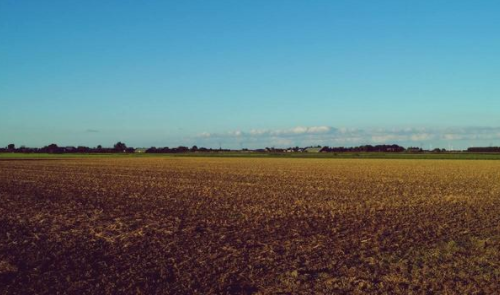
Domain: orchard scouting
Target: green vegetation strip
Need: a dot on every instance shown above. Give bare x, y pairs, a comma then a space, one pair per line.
442, 156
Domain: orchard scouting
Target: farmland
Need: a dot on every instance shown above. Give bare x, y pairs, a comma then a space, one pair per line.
197, 225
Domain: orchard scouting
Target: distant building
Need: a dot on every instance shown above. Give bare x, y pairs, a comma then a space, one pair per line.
313, 149
140, 150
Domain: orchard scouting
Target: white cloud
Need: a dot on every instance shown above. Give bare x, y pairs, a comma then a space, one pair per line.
299, 130
319, 129
421, 137
385, 138
451, 136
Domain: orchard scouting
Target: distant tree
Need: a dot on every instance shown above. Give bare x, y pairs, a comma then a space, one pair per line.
24, 149
182, 149
120, 147
152, 150
194, 148
83, 149
99, 147
11, 147
51, 148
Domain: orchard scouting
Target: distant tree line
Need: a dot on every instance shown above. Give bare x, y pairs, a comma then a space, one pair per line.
53, 148
182, 149
121, 147
366, 148
492, 149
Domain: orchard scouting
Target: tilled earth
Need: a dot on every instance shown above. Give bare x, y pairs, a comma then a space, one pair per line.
249, 226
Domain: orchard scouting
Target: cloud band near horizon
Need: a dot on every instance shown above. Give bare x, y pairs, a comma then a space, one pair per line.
456, 137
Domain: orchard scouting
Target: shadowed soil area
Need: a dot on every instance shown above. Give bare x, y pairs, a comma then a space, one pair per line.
249, 226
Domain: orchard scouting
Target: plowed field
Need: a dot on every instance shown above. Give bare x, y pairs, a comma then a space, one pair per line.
249, 226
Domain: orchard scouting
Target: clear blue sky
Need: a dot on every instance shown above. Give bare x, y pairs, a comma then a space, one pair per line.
249, 73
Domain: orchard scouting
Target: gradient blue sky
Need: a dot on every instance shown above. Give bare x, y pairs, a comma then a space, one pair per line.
250, 73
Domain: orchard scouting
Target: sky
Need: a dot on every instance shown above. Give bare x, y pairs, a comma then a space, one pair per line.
250, 73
